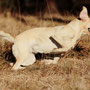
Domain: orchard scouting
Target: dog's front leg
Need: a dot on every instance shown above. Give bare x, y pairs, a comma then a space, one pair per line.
58, 50
50, 61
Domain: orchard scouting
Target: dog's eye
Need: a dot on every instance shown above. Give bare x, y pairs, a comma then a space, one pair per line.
89, 29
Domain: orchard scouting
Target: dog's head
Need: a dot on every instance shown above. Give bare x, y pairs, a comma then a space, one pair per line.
85, 20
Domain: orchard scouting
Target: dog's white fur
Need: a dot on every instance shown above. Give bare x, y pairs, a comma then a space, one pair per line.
37, 40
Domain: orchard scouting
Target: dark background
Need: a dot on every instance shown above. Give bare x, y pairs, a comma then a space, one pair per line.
36, 6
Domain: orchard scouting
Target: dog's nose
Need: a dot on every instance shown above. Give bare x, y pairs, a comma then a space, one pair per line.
89, 29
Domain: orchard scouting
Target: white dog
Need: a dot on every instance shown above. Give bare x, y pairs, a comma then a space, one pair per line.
47, 40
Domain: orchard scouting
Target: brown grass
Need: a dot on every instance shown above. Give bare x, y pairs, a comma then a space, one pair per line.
72, 72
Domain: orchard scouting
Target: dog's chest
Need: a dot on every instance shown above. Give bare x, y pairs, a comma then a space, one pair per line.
44, 45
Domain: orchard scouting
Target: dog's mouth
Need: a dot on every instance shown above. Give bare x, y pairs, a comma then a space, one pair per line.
89, 29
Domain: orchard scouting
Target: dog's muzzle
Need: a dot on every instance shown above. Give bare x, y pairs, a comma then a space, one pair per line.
89, 29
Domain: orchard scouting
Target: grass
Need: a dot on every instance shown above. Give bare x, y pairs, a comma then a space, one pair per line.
72, 72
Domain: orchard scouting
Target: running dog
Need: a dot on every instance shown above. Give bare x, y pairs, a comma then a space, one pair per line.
47, 39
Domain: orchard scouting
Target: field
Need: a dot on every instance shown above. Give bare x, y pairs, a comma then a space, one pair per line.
72, 72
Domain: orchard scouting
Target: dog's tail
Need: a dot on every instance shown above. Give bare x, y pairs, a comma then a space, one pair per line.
7, 36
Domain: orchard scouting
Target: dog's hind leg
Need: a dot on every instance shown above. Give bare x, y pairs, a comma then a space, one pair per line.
19, 61
23, 61
29, 60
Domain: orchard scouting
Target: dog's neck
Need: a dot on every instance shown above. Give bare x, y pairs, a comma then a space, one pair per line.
76, 25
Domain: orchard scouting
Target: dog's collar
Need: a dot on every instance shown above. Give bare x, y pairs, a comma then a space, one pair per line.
55, 42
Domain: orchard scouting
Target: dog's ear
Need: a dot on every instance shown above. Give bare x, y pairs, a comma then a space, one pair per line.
84, 14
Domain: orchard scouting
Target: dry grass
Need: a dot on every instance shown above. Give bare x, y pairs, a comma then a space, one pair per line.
71, 73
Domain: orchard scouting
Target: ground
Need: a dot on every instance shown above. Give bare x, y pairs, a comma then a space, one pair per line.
72, 72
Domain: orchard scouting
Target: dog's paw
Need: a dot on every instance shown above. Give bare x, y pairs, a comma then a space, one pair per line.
49, 61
